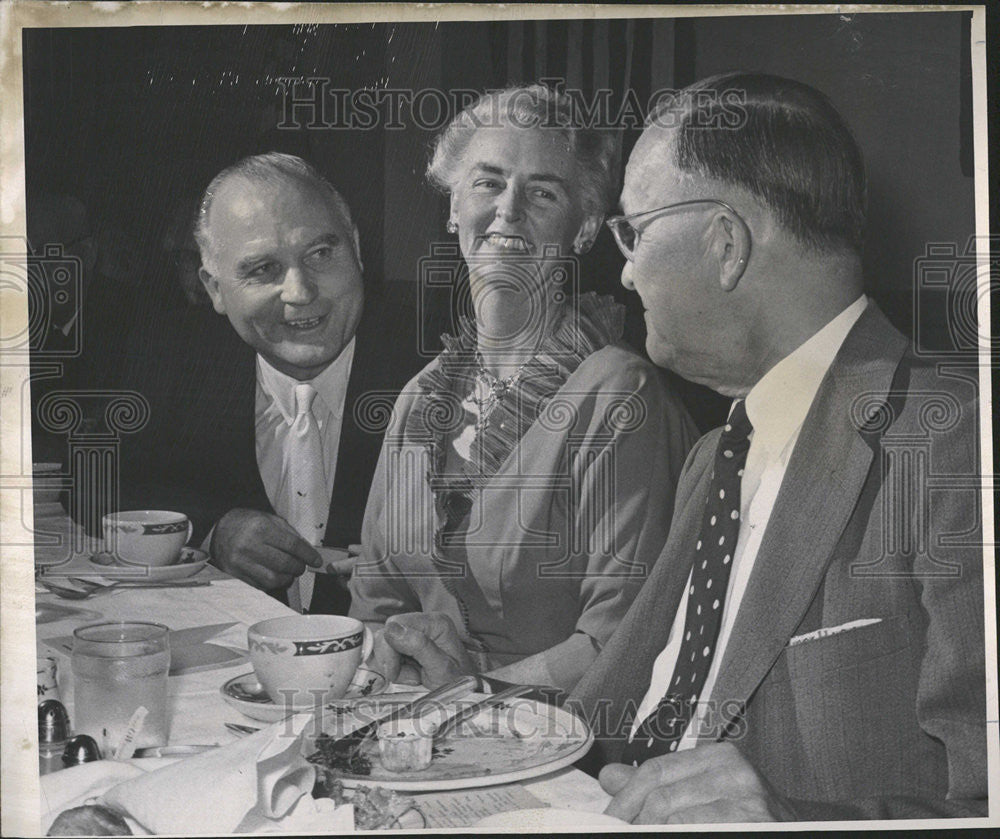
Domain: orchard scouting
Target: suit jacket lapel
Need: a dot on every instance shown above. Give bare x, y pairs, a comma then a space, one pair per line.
824, 479
348, 498
385, 357
245, 385
619, 678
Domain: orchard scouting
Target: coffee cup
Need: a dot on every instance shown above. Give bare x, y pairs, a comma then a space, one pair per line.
147, 537
307, 658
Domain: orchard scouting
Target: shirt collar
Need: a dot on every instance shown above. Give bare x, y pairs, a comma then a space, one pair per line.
777, 405
331, 386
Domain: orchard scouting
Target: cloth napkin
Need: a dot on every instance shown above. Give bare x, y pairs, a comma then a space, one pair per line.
258, 784
80, 785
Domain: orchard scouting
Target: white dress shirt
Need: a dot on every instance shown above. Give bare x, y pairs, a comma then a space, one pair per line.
777, 407
275, 412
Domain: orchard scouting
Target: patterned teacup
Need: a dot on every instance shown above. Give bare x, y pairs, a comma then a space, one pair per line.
302, 658
147, 537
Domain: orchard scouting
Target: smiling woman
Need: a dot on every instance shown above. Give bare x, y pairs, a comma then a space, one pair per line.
514, 482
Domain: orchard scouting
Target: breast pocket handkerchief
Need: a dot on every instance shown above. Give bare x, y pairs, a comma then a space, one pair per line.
832, 630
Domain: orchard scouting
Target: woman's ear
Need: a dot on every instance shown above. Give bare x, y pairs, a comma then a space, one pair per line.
587, 234
731, 248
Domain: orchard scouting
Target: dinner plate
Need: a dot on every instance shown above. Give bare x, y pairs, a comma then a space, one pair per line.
514, 741
114, 568
541, 819
246, 694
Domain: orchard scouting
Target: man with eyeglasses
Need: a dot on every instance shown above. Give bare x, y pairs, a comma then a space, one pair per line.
810, 645
838, 662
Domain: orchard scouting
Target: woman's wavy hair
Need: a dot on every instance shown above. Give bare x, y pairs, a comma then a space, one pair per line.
596, 149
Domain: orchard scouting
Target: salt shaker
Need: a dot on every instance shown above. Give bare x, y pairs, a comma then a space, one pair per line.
53, 732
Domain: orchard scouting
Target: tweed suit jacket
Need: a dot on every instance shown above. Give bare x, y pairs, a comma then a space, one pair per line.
883, 721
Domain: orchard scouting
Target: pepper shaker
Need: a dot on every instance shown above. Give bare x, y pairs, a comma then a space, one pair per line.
81, 749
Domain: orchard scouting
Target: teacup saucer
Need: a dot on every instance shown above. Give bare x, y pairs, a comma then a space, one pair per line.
248, 696
115, 568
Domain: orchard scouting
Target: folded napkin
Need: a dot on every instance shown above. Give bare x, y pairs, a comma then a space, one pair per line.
253, 785
81, 785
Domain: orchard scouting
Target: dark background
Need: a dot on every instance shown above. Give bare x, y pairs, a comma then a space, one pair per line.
135, 121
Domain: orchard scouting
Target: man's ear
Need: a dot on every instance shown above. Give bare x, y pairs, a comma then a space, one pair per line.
730, 247
589, 229
212, 287
357, 247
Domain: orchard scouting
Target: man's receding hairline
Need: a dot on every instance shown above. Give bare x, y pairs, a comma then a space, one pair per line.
273, 178
666, 144
661, 148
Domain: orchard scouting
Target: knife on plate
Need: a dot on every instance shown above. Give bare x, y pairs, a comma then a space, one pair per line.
445, 693
469, 711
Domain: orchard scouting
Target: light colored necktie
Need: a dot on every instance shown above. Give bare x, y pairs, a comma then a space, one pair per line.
310, 503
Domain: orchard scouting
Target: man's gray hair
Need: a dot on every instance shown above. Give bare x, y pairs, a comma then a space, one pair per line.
782, 141
270, 167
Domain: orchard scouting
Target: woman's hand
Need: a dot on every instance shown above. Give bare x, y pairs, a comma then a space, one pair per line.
428, 643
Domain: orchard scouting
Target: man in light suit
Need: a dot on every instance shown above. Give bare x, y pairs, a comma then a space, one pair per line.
281, 260
810, 645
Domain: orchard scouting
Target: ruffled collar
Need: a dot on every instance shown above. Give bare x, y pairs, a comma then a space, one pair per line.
594, 322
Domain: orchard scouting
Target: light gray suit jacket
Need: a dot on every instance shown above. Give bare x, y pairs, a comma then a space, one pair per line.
875, 519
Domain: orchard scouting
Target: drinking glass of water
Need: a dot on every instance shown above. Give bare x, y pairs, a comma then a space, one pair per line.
118, 669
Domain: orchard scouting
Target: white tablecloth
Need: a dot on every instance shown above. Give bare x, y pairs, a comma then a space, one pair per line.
197, 710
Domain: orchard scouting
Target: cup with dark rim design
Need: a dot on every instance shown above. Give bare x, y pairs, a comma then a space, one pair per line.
146, 537
307, 658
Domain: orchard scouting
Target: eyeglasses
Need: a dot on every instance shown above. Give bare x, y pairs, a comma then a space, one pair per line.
627, 236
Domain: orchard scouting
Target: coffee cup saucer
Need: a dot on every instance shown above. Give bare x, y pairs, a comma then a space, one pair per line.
246, 694
113, 567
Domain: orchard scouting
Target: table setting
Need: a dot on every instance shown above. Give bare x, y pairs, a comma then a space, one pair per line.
214, 708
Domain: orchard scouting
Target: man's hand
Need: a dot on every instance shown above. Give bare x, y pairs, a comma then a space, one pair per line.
261, 549
339, 562
710, 783
427, 641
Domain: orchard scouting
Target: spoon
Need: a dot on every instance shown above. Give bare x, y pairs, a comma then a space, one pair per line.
100, 588
95, 586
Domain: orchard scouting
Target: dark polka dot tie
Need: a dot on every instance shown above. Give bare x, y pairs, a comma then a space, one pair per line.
661, 732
